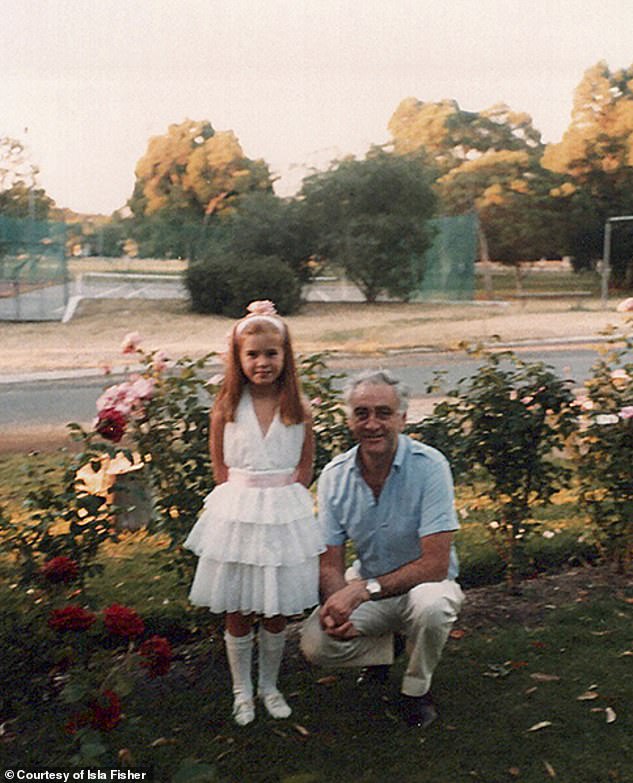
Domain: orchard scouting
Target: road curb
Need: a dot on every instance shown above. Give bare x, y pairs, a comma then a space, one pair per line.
116, 372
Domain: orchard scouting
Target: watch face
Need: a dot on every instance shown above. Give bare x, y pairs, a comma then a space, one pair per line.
373, 587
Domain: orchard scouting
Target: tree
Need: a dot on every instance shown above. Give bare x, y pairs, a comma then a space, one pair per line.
370, 217
511, 194
266, 225
596, 157
186, 177
19, 196
488, 162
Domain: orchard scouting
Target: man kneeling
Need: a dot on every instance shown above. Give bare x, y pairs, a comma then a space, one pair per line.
393, 498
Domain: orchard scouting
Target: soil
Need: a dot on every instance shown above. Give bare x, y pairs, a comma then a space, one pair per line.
496, 606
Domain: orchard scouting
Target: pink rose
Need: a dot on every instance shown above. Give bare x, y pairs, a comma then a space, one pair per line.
262, 307
627, 412
584, 403
159, 362
141, 388
130, 342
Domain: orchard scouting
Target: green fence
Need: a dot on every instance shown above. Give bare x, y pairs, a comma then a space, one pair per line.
34, 282
450, 262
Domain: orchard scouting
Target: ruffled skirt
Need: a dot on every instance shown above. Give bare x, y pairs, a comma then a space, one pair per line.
258, 548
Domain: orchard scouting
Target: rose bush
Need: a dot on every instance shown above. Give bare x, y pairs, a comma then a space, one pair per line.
604, 450
101, 668
501, 429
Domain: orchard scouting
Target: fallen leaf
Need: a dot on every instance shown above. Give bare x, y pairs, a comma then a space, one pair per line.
280, 733
457, 633
628, 600
610, 715
587, 696
158, 743
125, 757
301, 730
497, 670
626, 652
542, 725
514, 771
600, 633
329, 680
542, 677
549, 769
528, 691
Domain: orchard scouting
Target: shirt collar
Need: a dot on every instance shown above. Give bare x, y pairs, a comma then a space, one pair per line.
397, 459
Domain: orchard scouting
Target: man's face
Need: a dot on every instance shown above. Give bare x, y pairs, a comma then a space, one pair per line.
374, 419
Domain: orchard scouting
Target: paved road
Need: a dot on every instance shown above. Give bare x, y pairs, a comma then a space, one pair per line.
58, 401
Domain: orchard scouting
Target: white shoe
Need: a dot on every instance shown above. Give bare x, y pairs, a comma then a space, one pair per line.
243, 711
275, 704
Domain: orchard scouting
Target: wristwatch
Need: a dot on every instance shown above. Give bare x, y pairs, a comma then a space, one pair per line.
374, 588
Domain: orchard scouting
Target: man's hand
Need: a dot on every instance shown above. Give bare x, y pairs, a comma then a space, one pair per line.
336, 611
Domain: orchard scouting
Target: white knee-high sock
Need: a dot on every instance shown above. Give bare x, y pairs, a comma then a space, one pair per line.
239, 651
271, 649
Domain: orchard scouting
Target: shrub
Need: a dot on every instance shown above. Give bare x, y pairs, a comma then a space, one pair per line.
502, 426
604, 452
224, 284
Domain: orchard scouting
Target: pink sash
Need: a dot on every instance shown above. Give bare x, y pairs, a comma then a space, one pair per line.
261, 479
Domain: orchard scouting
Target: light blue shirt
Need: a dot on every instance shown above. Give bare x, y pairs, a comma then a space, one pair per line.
416, 500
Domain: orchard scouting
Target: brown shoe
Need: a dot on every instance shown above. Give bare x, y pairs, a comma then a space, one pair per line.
418, 710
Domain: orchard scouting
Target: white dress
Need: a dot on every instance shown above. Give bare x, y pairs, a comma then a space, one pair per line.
257, 537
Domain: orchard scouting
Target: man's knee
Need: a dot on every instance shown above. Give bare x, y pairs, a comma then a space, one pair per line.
314, 642
433, 606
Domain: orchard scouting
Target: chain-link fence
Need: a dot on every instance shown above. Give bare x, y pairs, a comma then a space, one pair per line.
450, 261
34, 282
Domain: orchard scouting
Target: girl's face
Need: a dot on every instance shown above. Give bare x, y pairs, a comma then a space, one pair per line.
262, 357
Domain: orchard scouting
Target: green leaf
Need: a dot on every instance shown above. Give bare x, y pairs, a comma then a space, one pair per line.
74, 691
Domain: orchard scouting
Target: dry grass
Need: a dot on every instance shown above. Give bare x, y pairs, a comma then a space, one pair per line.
93, 337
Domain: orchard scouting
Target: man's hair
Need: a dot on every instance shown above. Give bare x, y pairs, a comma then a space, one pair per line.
377, 378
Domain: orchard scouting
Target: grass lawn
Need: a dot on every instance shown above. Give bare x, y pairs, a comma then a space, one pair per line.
538, 694
532, 686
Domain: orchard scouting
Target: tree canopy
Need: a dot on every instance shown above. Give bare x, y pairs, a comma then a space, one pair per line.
187, 176
487, 162
370, 218
19, 195
595, 156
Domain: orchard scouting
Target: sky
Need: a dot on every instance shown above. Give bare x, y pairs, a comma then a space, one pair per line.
86, 83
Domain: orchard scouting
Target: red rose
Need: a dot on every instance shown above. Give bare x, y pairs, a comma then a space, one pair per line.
71, 618
105, 711
60, 569
111, 424
157, 655
122, 621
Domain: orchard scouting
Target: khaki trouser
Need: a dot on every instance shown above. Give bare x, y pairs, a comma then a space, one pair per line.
425, 615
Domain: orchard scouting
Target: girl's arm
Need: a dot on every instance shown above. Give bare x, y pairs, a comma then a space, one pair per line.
216, 448
303, 472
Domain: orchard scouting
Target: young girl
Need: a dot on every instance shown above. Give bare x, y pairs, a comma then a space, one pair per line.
257, 538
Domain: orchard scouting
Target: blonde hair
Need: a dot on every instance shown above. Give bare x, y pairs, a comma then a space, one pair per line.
290, 404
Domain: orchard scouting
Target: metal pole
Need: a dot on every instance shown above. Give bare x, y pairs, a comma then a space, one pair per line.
606, 264
606, 255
